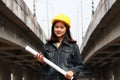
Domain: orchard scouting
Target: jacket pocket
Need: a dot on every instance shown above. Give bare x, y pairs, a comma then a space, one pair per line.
50, 52
67, 50
66, 54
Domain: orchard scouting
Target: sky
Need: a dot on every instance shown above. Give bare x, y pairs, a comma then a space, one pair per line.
79, 12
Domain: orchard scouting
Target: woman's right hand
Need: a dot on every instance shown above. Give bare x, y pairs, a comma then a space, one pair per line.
69, 75
39, 57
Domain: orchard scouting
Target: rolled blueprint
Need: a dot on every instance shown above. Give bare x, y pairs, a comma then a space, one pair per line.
47, 61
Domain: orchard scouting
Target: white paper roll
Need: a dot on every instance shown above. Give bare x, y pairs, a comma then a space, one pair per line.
31, 50
54, 66
47, 61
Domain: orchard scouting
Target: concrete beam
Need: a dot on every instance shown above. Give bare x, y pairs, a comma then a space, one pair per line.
18, 12
108, 31
13, 35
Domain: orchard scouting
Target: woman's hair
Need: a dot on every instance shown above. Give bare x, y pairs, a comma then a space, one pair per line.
67, 35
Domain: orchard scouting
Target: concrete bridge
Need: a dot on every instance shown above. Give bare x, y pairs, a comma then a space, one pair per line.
100, 49
18, 28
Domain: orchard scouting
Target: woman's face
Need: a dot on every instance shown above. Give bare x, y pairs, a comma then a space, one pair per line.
59, 29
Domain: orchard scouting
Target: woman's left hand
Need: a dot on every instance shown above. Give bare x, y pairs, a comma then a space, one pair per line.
69, 75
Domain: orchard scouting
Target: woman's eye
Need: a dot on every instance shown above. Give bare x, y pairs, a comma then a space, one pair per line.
56, 26
61, 27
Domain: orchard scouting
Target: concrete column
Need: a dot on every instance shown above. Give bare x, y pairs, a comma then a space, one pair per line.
116, 71
5, 71
17, 72
28, 75
37, 76
108, 73
96, 75
99, 75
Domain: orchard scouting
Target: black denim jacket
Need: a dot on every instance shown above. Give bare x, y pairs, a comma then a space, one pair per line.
67, 56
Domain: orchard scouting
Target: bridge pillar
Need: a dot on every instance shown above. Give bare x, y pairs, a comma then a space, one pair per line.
96, 75
28, 75
99, 75
5, 71
38, 76
17, 73
116, 71
32, 75
108, 73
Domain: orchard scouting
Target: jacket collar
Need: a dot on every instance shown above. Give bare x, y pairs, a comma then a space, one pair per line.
65, 42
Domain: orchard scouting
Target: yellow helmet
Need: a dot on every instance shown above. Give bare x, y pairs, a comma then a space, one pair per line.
62, 17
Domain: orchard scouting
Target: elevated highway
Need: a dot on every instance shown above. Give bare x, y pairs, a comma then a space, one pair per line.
18, 28
100, 49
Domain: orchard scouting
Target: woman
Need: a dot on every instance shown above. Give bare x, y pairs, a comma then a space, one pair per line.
62, 50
